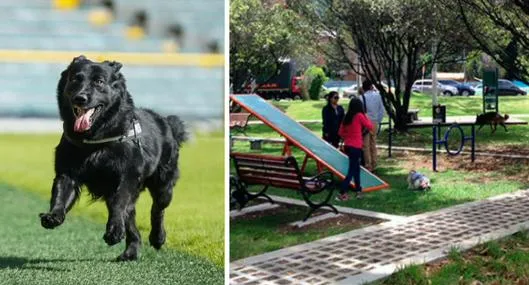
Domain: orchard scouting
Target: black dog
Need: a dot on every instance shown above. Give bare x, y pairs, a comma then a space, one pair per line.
115, 150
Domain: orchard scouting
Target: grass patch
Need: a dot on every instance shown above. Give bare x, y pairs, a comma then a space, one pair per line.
455, 106
517, 136
505, 261
76, 254
269, 231
454, 185
194, 220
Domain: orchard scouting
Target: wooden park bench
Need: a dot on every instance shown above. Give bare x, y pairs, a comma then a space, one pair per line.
280, 172
239, 122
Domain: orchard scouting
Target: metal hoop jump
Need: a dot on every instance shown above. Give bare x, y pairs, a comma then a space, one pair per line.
436, 131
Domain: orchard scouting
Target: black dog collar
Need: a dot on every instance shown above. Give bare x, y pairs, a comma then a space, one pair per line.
132, 133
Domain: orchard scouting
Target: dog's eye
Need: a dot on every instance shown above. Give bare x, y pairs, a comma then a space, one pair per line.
99, 82
77, 78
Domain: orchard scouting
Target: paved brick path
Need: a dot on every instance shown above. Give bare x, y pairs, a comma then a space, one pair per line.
375, 252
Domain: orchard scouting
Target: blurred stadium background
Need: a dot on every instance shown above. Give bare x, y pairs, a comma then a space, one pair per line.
172, 51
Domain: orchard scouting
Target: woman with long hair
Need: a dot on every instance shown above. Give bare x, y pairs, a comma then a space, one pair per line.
332, 115
351, 130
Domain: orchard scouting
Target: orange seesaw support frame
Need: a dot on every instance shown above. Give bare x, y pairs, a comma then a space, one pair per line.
287, 150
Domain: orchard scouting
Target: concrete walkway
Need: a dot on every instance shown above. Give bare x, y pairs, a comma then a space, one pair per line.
375, 252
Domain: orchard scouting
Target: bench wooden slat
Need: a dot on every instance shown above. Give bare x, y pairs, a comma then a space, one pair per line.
280, 168
270, 173
260, 161
272, 181
259, 157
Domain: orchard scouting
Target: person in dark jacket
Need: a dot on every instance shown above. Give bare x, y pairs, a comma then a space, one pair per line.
332, 115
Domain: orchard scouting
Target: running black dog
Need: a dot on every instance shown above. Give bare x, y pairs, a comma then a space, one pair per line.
115, 150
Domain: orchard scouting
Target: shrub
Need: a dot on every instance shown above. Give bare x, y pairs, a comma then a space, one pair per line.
314, 80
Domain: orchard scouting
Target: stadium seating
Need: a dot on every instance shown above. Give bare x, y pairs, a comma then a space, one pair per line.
28, 89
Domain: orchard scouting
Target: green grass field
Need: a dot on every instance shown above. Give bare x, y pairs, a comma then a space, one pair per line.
497, 262
455, 106
194, 220
517, 136
450, 186
75, 253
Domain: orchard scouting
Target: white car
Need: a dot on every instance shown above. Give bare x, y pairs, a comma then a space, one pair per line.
338, 86
426, 86
351, 91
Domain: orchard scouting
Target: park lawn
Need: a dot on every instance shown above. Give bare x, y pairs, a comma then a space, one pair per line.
505, 261
75, 253
194, 221
455, 106
517, 136
450, 186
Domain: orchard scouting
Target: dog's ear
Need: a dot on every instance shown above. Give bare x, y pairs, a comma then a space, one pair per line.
79, 59
116, 66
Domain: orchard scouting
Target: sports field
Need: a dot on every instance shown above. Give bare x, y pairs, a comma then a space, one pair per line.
75, 253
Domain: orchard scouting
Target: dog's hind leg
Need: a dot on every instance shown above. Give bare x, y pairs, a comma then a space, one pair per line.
133, 237
65, 192
162, 193
505, 127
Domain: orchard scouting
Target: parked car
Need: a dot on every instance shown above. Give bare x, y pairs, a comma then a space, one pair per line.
462, 89
338, 85
426, 86
473, 84
505, 88
351, 92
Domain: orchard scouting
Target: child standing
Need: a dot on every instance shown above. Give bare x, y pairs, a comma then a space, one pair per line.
351, 131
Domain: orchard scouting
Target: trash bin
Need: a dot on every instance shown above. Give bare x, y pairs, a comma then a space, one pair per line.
439, 113
256, 144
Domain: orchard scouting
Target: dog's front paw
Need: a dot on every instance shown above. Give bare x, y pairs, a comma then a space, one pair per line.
51, 220
114, 234
157, 238
128, 256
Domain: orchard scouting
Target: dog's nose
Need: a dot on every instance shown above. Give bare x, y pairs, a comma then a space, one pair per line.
80, 99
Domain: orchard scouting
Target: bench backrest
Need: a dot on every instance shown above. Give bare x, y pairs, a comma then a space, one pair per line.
239, 119
276, 171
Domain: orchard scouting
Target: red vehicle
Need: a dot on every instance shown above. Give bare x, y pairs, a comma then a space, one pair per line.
284, 85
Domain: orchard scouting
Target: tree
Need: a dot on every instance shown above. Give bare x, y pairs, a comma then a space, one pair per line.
259, 37
500, 28
392, 39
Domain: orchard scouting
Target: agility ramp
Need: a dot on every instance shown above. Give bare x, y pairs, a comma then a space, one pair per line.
301, 137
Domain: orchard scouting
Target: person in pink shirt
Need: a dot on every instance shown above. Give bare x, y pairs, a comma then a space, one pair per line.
354, 124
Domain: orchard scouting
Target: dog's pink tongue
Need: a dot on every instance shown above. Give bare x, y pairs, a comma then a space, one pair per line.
82, 123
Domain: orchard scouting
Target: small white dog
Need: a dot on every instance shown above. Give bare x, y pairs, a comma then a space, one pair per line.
418, 181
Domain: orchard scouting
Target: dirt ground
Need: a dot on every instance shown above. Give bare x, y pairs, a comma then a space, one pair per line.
516, 168
345, 220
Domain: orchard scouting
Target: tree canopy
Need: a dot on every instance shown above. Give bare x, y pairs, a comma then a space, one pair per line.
260, 36
393, 40
500, 28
